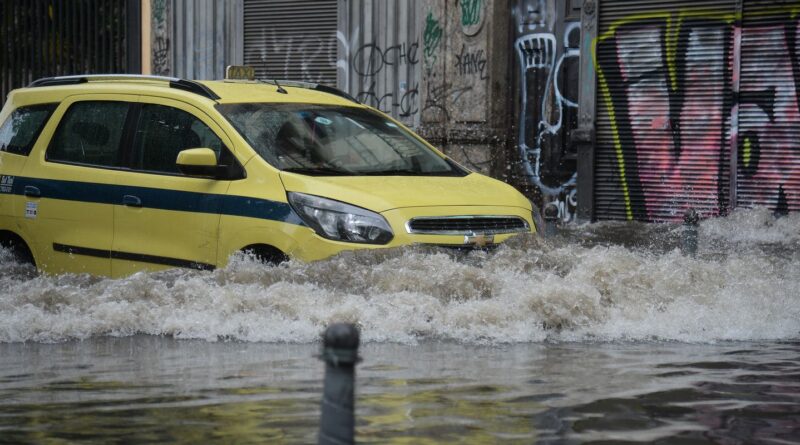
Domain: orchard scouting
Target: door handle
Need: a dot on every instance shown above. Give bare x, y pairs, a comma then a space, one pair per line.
32, 191
131, 201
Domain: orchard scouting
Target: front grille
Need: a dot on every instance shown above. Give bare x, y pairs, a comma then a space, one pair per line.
466, 225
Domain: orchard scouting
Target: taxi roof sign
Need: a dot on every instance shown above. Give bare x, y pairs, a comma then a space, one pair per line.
240, 72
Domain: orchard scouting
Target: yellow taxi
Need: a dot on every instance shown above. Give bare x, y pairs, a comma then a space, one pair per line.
113, 174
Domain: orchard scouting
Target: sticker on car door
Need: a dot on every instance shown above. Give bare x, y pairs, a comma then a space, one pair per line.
31, 209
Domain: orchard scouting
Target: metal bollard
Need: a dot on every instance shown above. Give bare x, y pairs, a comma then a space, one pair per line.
690, 221
340, 354
782, 208
550, 220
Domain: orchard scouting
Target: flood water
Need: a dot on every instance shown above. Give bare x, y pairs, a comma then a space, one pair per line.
606, 333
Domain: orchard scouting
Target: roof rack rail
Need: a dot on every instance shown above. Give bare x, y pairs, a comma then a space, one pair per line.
312, 86
174, 82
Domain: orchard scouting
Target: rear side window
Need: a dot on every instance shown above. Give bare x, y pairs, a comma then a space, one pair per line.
20, 131
90, 133
163, 132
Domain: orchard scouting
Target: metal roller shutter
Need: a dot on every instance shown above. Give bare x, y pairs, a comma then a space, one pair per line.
664, 102
768, 156
291, 39
43, 38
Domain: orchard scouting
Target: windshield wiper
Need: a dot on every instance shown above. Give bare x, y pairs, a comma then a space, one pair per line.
318, 171
393, 172
407, 172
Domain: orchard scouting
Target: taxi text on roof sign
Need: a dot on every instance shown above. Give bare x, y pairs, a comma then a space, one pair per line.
240, 72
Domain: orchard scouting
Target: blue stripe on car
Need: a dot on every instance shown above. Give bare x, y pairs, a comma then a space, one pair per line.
163, 199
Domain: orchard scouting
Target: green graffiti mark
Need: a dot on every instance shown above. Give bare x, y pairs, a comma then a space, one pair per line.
471, 12
159, 9
431, 38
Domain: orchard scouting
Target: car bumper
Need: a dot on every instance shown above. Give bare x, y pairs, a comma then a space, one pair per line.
312, 247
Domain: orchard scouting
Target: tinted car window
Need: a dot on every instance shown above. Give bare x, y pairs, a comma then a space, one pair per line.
163, 132
20, 131
90, 133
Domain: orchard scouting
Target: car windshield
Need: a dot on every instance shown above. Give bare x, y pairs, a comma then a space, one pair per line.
334, 141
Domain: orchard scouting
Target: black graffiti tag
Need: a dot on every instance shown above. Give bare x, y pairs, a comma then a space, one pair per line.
471, 63
370, 59
407, 104
437, 96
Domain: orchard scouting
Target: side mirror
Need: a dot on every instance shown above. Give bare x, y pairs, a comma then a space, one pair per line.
197, 162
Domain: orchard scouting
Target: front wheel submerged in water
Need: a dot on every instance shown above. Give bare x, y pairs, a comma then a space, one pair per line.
266, 254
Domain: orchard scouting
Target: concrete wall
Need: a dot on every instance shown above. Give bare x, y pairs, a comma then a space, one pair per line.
441, 67
464, 96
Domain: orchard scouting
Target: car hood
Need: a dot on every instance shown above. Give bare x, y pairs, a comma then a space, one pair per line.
382, 193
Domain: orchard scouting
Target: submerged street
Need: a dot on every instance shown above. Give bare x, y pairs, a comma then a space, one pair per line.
193, 191
146, 389
605, 332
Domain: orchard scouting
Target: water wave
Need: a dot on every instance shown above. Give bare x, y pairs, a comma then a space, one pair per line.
600, 282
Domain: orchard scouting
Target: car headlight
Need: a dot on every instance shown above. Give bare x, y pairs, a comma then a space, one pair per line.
339, 221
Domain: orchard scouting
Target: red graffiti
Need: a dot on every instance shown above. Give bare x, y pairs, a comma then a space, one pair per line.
685, 106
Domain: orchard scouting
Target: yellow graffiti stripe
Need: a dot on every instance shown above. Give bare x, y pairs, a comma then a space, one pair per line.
617, 144
673, 31
747, 152
601, 80
791, 10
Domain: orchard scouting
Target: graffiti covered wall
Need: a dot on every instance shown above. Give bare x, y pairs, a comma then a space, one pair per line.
464, 93
693, 103
195, 39
546, 47
435, 65
159, 37
379, 55
698, 109
456, 68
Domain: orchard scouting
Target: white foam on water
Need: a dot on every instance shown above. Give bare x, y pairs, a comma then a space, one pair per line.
757, 225
527, 291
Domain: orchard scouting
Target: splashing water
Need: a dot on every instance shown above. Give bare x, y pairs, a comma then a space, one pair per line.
601, 282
